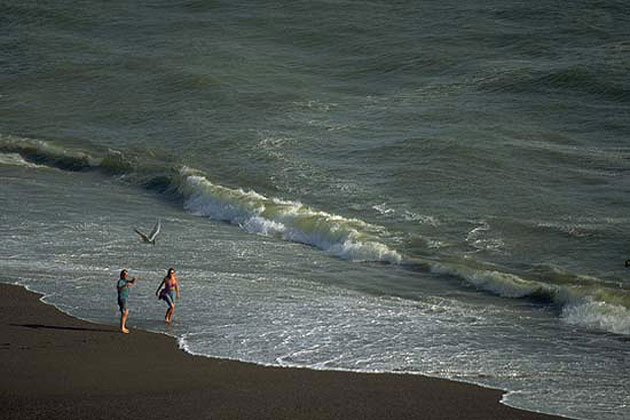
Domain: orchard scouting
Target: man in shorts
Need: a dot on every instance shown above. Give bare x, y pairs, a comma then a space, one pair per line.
123, 294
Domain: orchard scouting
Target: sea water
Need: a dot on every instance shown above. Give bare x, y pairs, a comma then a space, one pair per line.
430, 188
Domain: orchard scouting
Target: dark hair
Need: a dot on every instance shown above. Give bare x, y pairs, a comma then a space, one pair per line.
123, 273
170, 270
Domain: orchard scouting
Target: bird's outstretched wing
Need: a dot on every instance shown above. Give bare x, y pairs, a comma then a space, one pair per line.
144, 237
155, 231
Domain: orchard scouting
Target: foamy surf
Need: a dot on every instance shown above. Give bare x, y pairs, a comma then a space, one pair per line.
14, 159
588, 303
594, 306
598, 315
345, 238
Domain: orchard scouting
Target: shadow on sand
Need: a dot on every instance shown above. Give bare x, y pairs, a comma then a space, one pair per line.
56, 327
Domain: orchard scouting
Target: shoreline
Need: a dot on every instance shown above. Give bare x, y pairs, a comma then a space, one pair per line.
60, 367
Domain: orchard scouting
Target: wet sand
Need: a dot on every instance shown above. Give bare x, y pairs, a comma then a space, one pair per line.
58, 367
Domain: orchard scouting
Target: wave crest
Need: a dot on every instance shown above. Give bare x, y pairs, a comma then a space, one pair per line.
43, 153
345, 238
587, 302
591, 304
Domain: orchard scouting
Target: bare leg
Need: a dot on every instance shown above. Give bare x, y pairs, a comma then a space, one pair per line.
123, 321
169, 314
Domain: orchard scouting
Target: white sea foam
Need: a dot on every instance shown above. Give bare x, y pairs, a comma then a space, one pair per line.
14, 159
481, 239
493, 281
346, 238
585, 307
598, 315
421, 218
383, 209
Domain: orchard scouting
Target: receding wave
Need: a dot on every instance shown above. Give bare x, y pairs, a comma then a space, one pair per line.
587, 302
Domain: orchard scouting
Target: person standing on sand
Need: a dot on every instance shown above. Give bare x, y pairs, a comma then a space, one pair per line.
123, 294
169, 293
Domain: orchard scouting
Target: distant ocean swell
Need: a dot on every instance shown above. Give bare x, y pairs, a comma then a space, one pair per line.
575, 79
589, 303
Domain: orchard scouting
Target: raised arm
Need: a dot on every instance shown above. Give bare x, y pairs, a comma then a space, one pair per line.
127, 283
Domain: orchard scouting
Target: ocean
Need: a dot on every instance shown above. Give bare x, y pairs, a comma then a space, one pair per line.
437, 188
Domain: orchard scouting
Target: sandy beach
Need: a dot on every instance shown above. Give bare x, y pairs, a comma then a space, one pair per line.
58, 367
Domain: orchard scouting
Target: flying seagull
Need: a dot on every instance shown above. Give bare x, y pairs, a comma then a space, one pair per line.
150, 238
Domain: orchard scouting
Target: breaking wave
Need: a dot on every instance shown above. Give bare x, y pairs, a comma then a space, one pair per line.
350, 239
586, 302
346, 238
15, 159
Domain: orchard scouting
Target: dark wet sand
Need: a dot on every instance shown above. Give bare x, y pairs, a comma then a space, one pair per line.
57, 367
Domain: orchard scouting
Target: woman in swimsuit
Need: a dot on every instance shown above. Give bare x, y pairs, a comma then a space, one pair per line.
169, 293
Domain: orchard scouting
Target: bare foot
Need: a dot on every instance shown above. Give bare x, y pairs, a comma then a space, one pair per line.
168, 321
125, 331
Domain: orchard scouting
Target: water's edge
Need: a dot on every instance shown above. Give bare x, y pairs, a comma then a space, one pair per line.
504, 399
